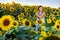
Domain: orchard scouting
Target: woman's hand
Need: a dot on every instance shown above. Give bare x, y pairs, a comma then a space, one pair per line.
42, 16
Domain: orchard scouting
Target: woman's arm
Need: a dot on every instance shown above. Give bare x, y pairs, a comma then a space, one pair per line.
37, 15
43, 15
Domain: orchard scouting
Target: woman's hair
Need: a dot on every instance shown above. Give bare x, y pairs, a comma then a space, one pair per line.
39, 7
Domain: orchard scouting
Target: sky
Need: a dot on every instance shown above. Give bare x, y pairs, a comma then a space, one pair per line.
51, 3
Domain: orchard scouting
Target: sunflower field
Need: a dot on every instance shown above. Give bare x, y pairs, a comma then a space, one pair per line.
18, 22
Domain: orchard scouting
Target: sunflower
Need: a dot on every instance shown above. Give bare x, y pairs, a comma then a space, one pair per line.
15, 24
20, 19
4, 7
53, 9
43, 28
54, 19
12, 9
57, 26
44, 34
18, 6
49, 33
57, 10
6, 22
13, 17
39, 21
58, 22
41, 38
56, 13
20, 15
49, 20
26, 22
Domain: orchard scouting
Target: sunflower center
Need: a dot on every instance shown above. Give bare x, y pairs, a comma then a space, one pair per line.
26, 23
58, 26
18, 6
11, 9
20, 19
48, 20
55, 13
56, 10
53, 10
54, 19
39, 21
15, 24
6, 22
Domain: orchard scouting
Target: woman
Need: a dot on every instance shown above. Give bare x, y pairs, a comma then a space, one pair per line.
40, 15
